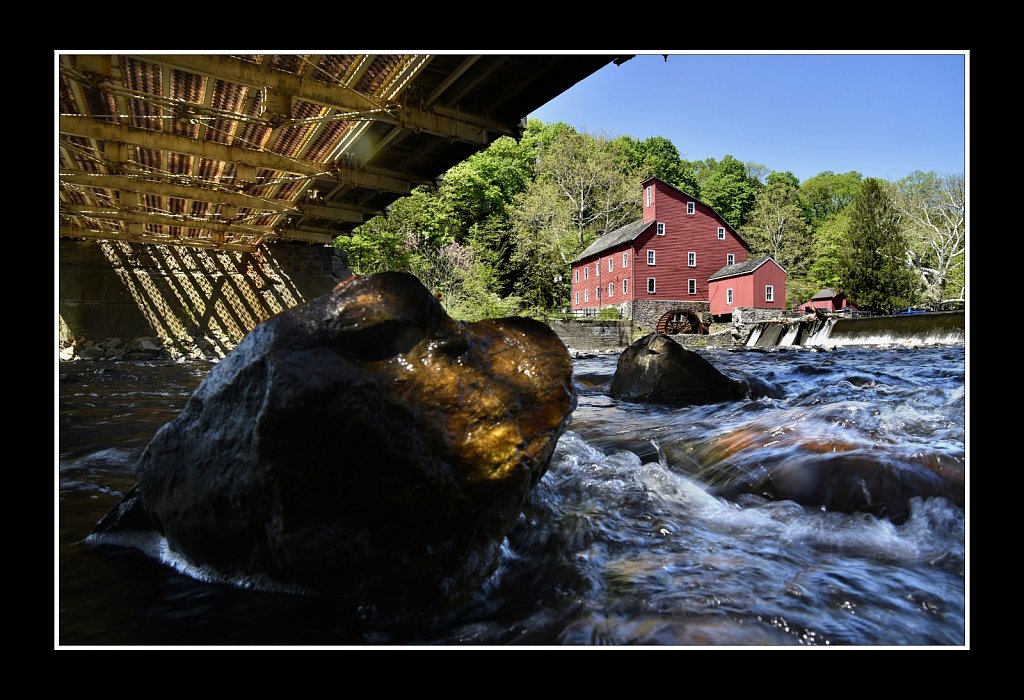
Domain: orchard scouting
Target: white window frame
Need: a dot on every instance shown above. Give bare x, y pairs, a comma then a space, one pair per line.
611, 289
730, 258
650, 195
721, 233
691, 259
611, 263
577, 271
625, 287
652, 285
586, 272
691, 286
586, 296
625, 260
728, 296
769, 293
577, 298
652, 257
661, 228
691, 208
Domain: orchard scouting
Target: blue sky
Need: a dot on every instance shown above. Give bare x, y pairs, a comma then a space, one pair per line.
882, 115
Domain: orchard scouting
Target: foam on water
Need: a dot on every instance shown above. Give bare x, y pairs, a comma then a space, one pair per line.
790, 523
154, 545
889, 339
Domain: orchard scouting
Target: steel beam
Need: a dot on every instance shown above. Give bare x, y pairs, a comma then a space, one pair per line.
73, 231
124, 183
455, 75
321, 211
307, 235
439, 121
160, 219
161, 140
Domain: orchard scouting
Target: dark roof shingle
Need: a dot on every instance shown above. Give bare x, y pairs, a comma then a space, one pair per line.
621, 235
740, 268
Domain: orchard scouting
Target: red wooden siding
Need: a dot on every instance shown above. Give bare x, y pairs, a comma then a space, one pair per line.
601, 281
770, 273
824, 304
684, 233
749, 290
835, 304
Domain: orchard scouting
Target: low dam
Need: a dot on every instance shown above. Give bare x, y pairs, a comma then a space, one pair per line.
946, 328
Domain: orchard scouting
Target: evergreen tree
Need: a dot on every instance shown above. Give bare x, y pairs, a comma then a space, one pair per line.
874, 263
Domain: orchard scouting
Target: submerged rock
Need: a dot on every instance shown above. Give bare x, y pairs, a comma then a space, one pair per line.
828, 472
364, 444
657, 369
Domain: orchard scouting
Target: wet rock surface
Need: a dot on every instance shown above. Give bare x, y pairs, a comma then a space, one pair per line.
363, 444
656, 369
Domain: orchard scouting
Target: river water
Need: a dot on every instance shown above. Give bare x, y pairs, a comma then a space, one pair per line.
626, 540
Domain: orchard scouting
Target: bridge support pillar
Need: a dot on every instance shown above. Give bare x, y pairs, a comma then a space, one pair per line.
179, 295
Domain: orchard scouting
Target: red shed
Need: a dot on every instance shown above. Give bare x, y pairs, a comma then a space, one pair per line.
667, 255
827, 300
759, 283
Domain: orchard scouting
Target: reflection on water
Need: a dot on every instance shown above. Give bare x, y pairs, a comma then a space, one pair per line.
627, 540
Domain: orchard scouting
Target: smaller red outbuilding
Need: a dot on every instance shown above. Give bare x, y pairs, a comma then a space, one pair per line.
827, 300
758, 283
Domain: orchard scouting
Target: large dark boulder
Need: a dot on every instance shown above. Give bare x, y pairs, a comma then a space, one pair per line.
364, 444
657, 369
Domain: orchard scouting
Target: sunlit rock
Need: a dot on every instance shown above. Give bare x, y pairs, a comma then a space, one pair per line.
657, 369
364, 444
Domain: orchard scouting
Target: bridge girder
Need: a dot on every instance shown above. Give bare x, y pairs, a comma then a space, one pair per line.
119, 134
139, 133
440, 121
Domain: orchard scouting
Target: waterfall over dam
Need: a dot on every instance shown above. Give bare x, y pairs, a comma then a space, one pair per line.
944, 327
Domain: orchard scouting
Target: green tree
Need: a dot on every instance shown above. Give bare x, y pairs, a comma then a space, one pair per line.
486, 183
776, 227
828, 193
540, 135
701, 169
934, 216
462, 281
777, 177
874, 262
480, 191
730, 190
656, 156
827, 251
580, 193
757, 172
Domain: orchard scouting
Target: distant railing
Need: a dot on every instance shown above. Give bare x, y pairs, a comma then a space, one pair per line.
608, 314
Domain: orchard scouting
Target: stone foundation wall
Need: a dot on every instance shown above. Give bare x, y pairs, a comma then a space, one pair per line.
177, 295
646, 314
745, 315
593, 334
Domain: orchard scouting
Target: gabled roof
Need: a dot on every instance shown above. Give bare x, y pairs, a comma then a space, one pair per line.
687, 194
742, 268
823, 294
622, 234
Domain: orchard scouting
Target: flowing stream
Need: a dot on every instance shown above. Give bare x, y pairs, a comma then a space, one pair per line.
626, 540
